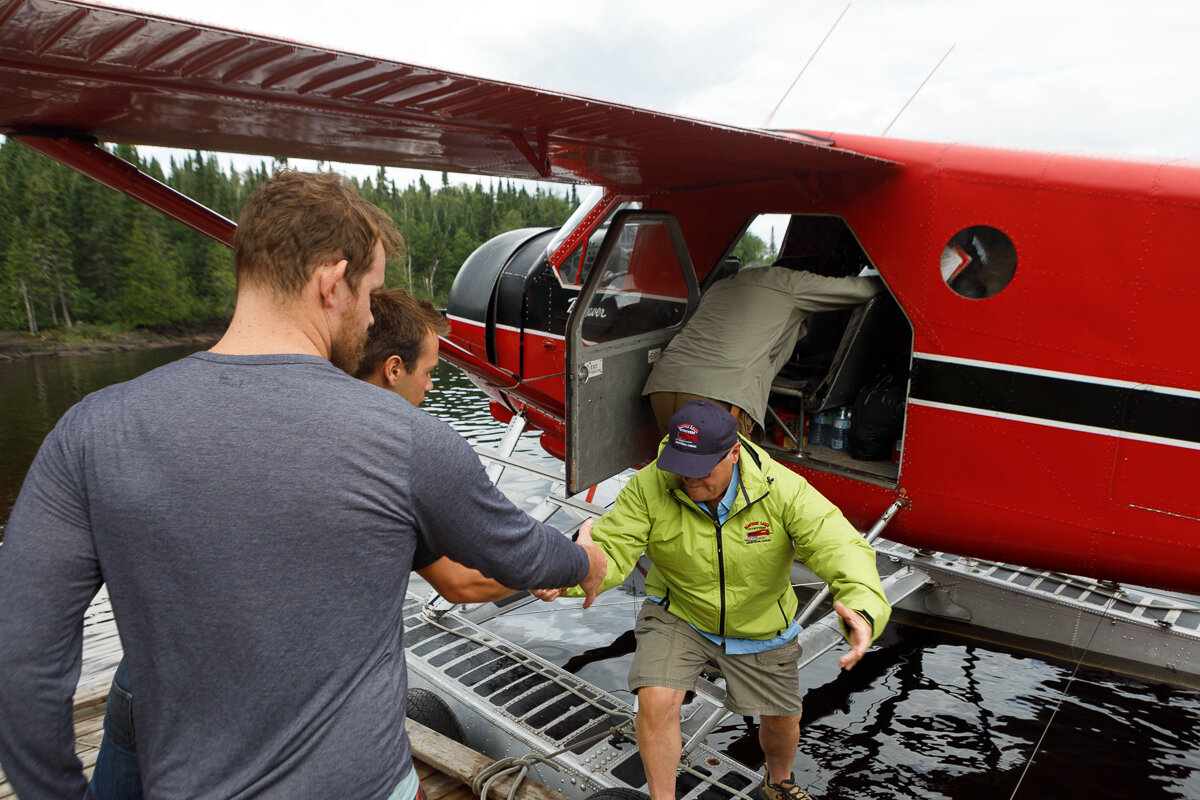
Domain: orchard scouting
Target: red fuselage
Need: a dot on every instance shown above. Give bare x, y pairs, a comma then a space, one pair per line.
1055, 423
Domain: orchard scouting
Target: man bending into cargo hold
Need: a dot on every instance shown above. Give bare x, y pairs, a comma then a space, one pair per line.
255, 512
740, 337
721, 523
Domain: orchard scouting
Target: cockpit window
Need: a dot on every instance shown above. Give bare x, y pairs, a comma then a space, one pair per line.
643, 286
589, 198
579, 263
978, 262
573, 269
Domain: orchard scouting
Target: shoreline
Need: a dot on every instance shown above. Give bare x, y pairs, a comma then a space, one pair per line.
20, 346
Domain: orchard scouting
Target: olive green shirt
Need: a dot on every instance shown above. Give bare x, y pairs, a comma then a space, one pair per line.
744, 331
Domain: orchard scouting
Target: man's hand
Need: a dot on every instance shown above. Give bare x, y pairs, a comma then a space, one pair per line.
860, 635
597, 564
597, 569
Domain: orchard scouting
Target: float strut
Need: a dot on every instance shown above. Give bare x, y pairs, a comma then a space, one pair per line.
872, 535
509, 443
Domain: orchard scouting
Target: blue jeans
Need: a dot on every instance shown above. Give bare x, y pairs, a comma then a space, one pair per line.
117, 776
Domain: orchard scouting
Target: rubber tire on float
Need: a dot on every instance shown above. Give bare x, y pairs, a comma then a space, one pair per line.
618, 794
433, 712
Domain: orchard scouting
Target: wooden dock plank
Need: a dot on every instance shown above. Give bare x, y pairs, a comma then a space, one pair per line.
439, 785
463, 763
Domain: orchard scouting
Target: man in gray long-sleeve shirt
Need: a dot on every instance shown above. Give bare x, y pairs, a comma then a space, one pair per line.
255, 512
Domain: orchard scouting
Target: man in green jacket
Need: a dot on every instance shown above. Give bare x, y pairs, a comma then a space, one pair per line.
721, 524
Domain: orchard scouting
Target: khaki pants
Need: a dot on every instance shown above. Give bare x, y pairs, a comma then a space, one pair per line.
665, 404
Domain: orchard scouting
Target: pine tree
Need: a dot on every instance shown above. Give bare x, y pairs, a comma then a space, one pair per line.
154, 289
72, 250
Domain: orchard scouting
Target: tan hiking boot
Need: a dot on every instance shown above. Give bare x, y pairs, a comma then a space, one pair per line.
784, 790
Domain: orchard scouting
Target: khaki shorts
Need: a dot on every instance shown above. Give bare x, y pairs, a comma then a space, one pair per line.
670, 653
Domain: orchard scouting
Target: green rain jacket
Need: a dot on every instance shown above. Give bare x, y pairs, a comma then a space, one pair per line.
733, 579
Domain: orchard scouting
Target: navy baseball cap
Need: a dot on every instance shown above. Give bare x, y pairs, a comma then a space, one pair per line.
701, 434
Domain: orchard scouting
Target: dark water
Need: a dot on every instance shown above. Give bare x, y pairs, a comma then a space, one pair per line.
925, 715
928, 715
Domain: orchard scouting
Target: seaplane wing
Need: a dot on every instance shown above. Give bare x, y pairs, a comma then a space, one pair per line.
84, 70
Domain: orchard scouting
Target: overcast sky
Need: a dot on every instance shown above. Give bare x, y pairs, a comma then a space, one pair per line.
1074, 76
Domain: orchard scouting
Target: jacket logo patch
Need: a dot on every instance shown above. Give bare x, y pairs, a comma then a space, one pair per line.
757, 532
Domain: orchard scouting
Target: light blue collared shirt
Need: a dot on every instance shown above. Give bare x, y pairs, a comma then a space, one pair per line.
726, 504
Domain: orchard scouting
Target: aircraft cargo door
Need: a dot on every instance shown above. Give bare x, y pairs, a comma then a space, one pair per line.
636, 298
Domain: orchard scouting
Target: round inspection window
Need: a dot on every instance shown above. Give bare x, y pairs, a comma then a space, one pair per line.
978, 261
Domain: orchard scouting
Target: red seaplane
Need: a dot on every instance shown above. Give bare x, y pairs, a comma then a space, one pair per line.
1036, 307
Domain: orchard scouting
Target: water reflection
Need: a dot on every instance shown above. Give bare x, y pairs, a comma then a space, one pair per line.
928, 715
455, 399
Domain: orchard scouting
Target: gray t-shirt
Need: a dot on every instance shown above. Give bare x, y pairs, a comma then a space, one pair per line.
256, 519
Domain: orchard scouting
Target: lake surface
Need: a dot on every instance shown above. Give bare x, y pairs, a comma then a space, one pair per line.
925, 715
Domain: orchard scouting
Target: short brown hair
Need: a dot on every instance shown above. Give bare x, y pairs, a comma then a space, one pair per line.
297, 221
401, 324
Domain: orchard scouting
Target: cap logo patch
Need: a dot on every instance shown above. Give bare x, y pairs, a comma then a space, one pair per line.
686, 435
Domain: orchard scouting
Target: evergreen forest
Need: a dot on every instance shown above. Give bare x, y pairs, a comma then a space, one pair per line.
73, 251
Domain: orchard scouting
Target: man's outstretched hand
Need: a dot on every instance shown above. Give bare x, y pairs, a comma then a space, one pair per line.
597, 569
597, 564
860, 635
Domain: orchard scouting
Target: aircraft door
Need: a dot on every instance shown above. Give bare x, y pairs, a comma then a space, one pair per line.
634, 300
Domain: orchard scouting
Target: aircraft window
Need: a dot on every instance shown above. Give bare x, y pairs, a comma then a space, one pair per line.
978, 262
593, 244
641, 289
568, 271
756, 247
588, 199
575, 267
